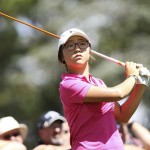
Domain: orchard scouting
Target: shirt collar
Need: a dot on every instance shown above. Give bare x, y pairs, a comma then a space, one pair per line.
68, 75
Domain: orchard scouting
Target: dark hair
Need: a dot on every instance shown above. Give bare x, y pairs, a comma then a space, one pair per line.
60, 54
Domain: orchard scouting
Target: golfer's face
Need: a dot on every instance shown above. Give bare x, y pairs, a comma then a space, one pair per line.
76, 52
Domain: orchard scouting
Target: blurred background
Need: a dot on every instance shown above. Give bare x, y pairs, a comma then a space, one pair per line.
29, 69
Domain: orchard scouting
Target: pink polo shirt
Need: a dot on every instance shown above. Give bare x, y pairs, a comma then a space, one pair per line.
92, 125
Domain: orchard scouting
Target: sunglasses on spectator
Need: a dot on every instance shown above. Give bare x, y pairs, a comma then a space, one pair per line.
8, 136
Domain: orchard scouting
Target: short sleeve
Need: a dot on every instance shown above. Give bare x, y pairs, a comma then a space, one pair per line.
73, 90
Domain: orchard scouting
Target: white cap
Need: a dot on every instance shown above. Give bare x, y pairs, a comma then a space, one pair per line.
9, 123
71, 32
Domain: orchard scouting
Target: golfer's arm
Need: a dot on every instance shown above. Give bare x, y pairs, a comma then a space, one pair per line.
124, 112
110, 94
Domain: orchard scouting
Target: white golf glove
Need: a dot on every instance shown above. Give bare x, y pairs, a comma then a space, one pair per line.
143, 80
144, 71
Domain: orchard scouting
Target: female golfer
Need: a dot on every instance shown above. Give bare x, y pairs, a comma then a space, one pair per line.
90, 107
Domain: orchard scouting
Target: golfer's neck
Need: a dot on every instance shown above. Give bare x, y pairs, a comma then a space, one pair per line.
84, 70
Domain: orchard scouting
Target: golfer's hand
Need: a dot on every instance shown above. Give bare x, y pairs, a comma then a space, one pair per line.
144, 71
143, 80
132, 69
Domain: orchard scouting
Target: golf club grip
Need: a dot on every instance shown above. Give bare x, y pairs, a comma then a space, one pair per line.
109, 58
113, 60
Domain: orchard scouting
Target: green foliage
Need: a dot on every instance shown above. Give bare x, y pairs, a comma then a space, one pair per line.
16, 7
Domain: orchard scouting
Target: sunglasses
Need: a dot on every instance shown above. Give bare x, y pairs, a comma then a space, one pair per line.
8, 136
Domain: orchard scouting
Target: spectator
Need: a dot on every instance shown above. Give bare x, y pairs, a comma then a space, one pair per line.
134, 136
51, 130
12, 134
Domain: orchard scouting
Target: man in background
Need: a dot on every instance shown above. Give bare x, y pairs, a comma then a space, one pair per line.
53, 132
